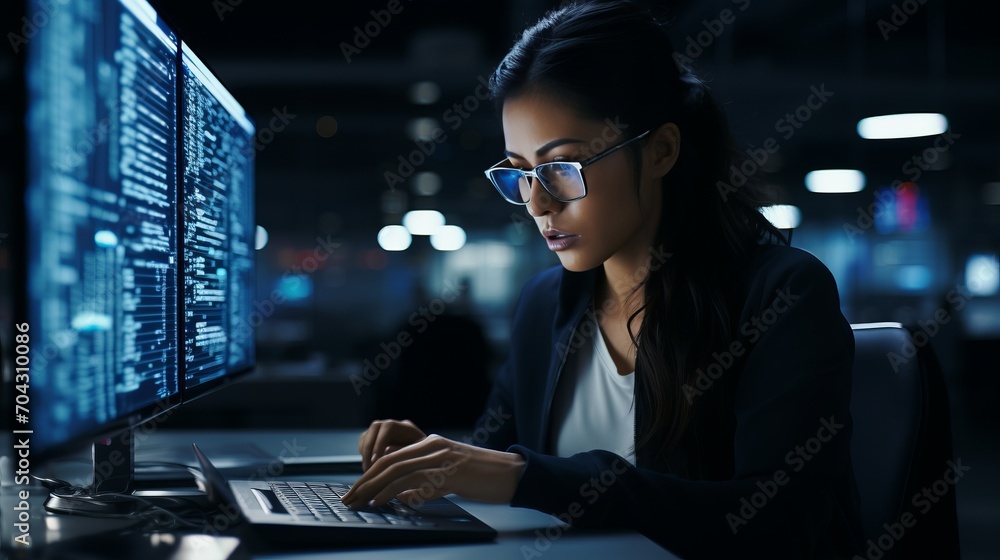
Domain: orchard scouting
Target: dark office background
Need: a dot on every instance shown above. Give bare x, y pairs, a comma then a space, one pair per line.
340, 99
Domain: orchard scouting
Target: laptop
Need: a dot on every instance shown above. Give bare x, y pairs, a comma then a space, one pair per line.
304, 513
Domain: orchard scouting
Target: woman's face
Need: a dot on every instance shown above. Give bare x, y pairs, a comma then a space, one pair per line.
609, 221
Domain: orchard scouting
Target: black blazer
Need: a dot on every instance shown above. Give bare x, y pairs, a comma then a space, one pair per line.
764, 468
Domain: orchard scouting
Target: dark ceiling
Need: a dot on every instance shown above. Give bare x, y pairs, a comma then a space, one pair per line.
290, 57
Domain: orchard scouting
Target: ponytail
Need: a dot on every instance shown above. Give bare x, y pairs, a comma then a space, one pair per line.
708, 227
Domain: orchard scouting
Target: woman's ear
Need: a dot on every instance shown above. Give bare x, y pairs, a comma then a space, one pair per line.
664, 147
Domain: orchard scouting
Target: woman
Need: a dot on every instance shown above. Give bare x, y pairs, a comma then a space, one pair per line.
684, 372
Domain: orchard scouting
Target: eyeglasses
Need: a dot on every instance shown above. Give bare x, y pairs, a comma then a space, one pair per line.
561, 179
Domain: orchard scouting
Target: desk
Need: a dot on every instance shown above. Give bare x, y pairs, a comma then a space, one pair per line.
523, 533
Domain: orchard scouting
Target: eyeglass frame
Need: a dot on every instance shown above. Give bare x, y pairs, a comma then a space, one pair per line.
578, 165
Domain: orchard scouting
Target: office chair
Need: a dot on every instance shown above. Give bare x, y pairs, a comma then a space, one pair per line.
901, 444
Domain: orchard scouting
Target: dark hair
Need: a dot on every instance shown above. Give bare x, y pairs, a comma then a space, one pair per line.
614, 60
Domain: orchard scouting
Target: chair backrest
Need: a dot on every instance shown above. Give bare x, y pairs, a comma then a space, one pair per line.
901, 443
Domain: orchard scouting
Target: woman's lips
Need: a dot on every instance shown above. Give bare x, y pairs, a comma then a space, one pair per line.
559, 240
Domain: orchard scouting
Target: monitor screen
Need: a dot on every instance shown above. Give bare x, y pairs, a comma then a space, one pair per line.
102, 236
219, 230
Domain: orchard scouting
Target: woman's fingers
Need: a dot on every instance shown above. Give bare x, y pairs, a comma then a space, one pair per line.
367, 442
370, 473
375, 439
385, 436
421, 473
436, 466
398, 466
407, 432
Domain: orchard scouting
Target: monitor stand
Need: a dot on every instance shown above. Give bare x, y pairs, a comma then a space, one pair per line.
113, 490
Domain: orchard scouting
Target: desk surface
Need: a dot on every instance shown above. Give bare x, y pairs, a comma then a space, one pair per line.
522, 533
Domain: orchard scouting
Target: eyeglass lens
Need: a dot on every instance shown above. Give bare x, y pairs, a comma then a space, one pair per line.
564, 182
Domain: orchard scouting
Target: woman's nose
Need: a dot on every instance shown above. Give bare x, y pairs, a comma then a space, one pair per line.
540, 202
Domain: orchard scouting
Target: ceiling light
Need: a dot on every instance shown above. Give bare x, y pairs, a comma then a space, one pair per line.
835, 181
448, 238
260, 238
394, 238
426, 183
422, 128
982, 274
425, 93
423, 222
906, 125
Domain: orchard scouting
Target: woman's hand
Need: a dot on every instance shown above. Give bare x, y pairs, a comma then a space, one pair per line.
386, 436
436, 466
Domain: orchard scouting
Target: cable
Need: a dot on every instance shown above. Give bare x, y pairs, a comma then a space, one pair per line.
154, 516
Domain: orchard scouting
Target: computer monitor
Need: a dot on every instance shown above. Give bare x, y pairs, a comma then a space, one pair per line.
218, 218
101, 230
138, 253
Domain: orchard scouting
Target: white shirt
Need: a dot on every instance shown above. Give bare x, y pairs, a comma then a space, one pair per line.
593, 405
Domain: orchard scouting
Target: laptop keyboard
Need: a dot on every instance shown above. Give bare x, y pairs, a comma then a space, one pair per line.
321, 501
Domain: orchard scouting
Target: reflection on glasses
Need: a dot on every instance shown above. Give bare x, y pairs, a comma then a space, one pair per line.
563, 180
